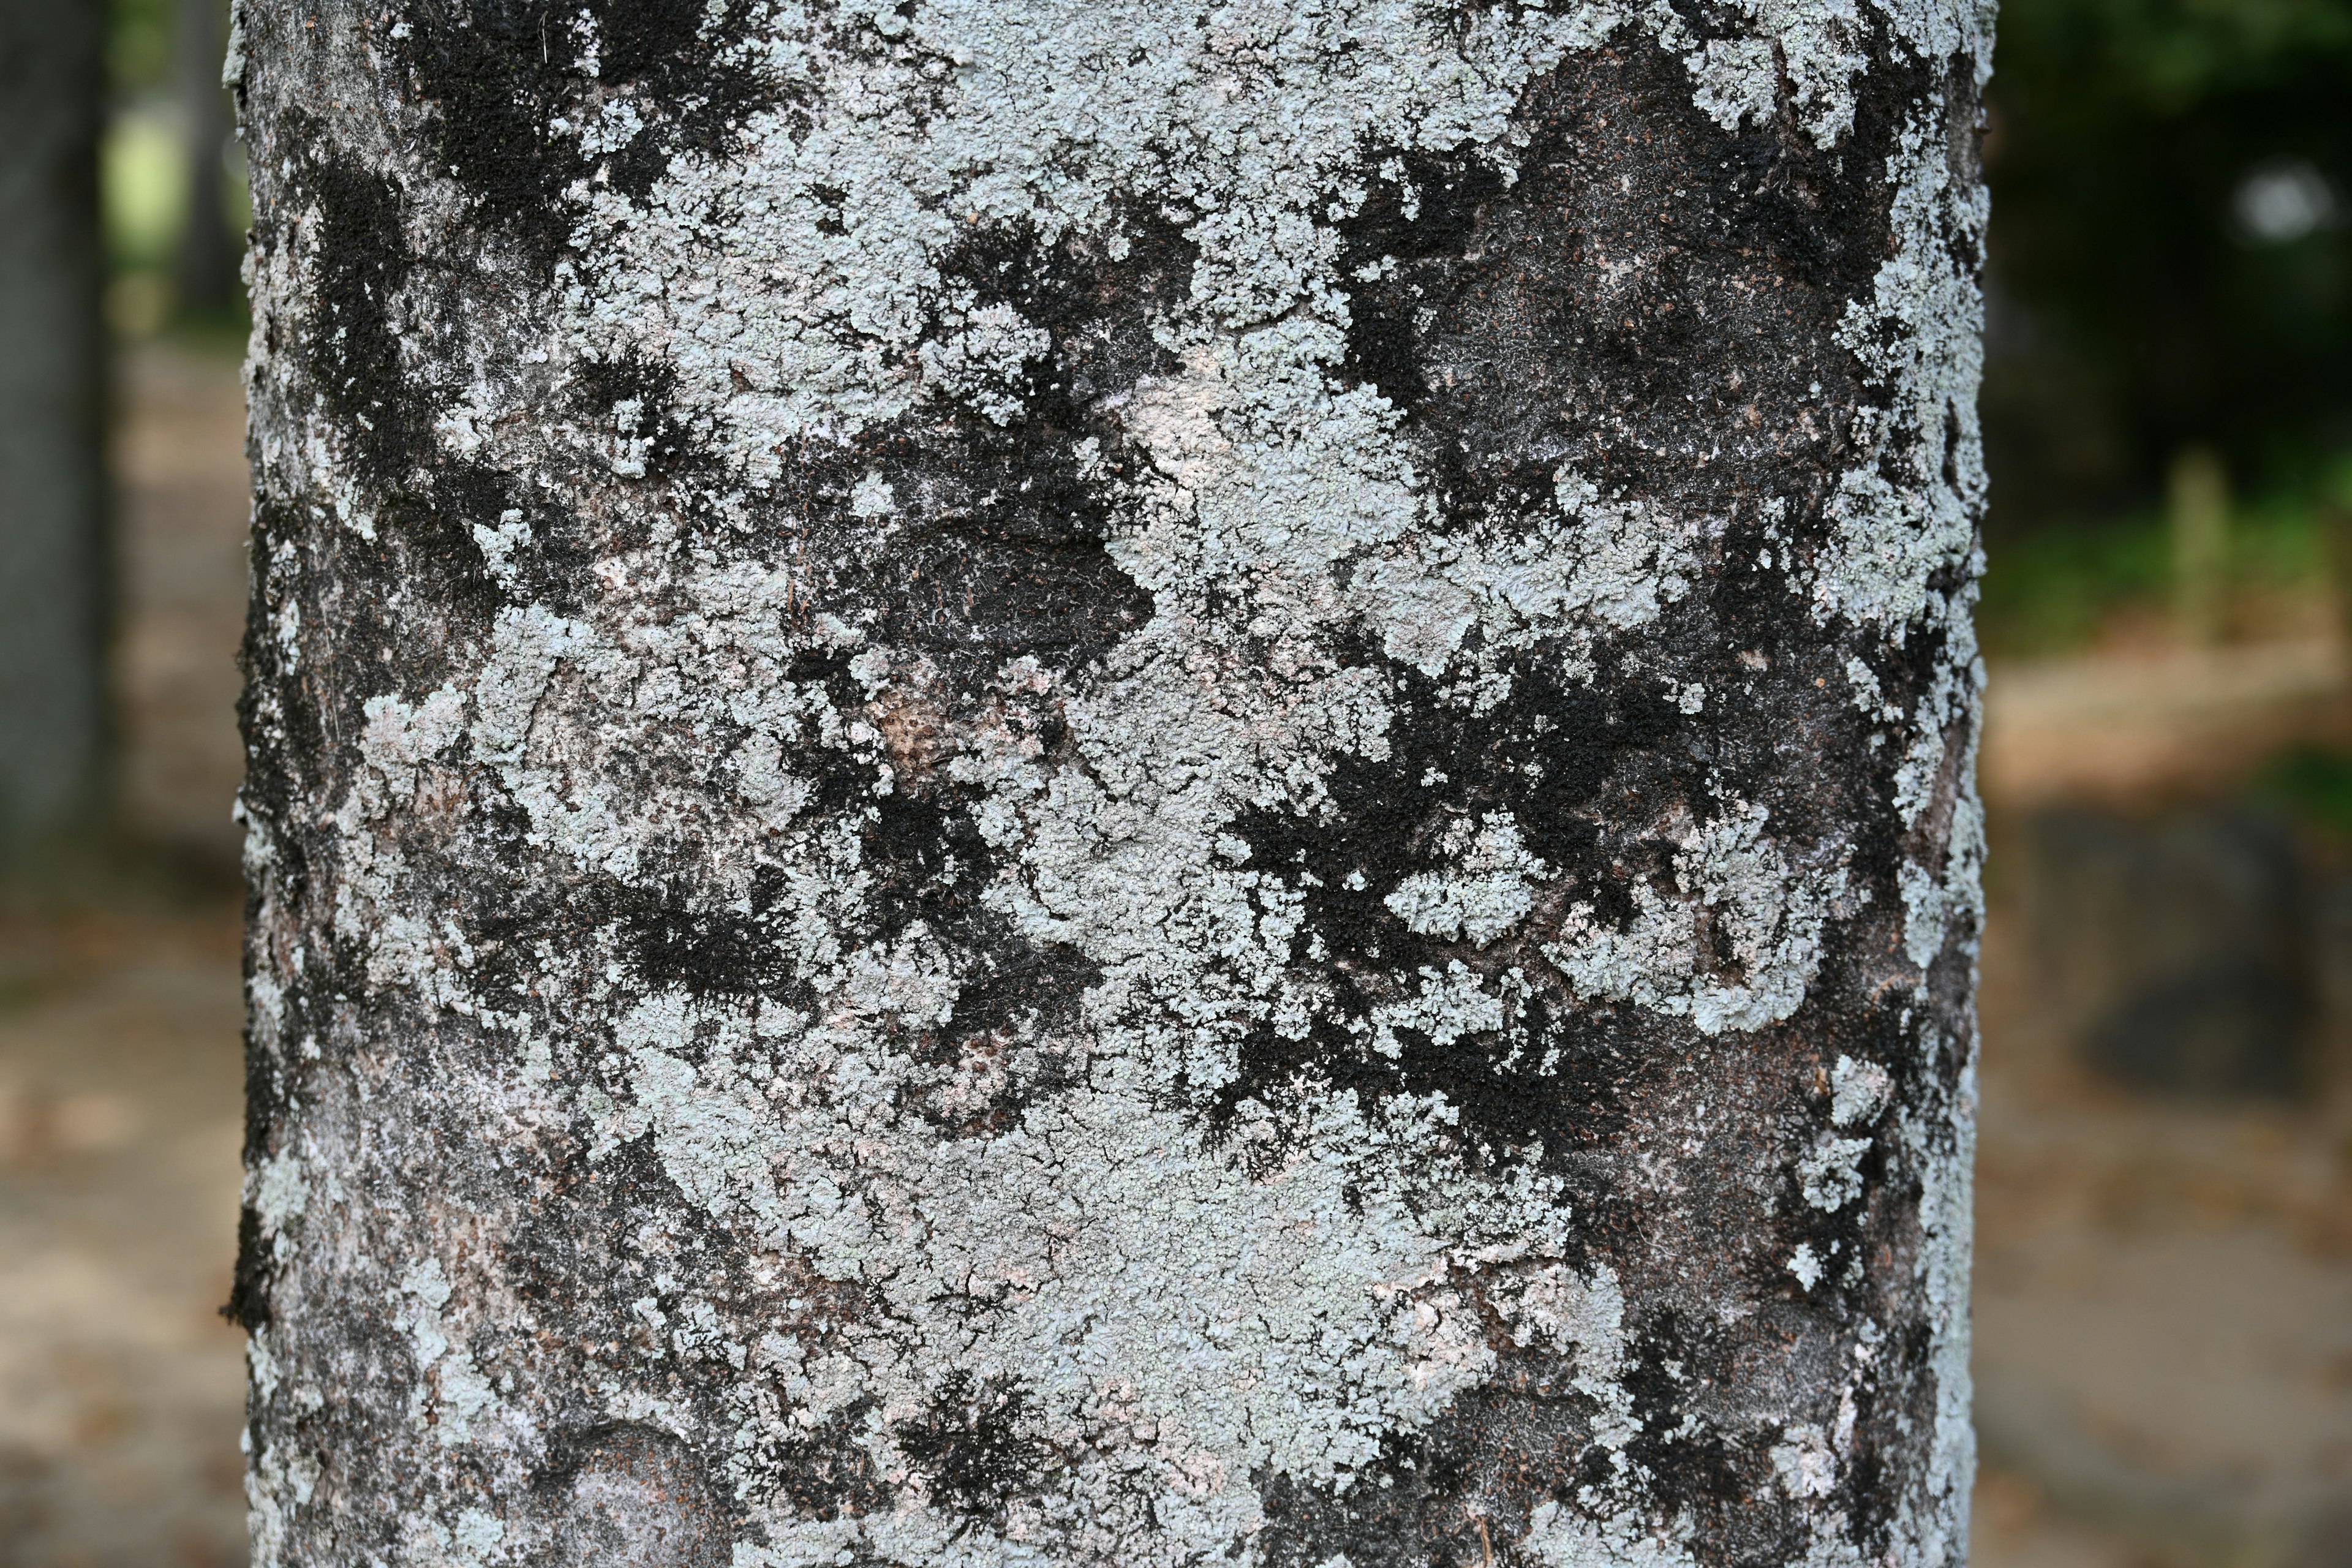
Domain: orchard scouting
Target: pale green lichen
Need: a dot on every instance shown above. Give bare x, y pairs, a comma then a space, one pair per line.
1314, 1304
1732, 887
1563, 1537
1487, 889
1907, 510
1828, 1175
453, 1393
1859, 1089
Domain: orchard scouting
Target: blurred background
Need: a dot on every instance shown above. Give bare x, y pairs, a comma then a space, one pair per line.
2164, 1288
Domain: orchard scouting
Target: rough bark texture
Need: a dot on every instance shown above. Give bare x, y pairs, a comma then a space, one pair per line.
53, 586
1095, 783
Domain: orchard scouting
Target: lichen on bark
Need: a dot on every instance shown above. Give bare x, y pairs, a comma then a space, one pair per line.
1068, 783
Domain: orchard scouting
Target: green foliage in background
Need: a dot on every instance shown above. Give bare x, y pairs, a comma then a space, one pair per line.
2171, 260
147, 166
143, 176
2315, 785
140, 172
139, 46
2052, 590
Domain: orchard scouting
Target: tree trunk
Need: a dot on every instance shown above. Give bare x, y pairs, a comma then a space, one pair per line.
1053, 782
53, 558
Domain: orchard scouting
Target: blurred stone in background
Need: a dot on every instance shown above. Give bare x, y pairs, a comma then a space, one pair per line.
2164, 1282
2164, 1267
2174, 952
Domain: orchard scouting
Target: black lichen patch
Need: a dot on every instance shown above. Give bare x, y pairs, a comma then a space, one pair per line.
966, 536
971, 1447
277, 715
1568, 761
1015, 1014
1459, 1492
821, 1472
1026, 984
707, 953
422, 512
648, 41
424, 535
1563, 756
499, 73
1558, 1089
634, 402
695, 72
932, 862
353, 347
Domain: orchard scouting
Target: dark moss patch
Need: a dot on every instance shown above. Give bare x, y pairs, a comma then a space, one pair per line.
248, 1293
277, 716
705, 952
1422, 207
486, 72
1563, 759
1562, 756
635, 401
996, 548
1097, 310
1457, 1492
824, 1472
1675, 1360
551, 567
353, 344
1576, 314
497, 72
972, 1448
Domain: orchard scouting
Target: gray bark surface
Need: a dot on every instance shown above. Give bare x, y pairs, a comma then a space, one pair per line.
53, 587
1045, 783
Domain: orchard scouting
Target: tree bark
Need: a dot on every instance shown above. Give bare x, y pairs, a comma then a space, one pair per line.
1091, 783
53, 557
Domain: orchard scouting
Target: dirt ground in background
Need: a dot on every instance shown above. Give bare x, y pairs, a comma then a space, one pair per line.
2163, 1312
120, 1387
2163, 1294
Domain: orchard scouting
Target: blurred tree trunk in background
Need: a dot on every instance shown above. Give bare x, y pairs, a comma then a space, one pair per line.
1068, 782
53, 558
205, 277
